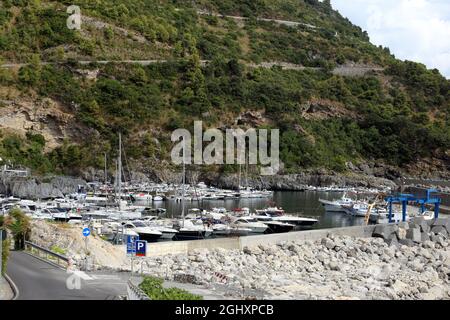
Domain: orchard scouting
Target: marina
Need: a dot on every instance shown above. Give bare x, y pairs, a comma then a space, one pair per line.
214, 212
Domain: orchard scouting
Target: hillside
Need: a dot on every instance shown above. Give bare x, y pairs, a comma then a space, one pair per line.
146, 67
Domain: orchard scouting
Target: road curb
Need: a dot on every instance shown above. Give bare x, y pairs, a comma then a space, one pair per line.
13, 287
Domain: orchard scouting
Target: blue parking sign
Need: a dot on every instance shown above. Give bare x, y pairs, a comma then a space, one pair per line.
141, 248
131, 244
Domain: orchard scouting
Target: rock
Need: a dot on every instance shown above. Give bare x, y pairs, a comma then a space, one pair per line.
425, 237
428, 244
403, 225
384, 231
439, 229
401, 233
252, 250
328, 243
392, 242
406, 242
414, 235
444, 222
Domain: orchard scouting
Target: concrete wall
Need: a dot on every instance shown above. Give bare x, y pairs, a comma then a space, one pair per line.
184, 247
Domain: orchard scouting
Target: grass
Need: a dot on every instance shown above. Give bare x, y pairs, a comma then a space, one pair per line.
153, 288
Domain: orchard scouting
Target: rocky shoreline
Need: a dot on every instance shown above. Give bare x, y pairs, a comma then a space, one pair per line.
334, 267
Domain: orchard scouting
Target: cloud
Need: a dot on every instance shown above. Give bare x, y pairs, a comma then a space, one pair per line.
417, 30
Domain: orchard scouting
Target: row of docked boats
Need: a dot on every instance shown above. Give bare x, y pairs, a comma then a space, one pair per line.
150, 224
378, 213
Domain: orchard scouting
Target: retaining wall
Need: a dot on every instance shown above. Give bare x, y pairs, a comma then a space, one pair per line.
184, 247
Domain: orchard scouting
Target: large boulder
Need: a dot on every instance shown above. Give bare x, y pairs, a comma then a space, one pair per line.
444, 222
384, 231
414, 235
439, 229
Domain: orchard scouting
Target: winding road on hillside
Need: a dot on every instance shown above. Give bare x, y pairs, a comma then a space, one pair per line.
39, 280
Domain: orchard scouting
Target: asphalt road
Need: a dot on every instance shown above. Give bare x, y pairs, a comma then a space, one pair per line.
38, 280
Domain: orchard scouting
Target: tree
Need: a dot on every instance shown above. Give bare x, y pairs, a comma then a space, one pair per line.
5, 245
20, 226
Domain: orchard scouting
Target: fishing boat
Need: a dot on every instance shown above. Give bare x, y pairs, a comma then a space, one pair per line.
336, 205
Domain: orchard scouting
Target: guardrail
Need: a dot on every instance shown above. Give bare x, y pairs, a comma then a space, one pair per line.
135, 293
46, 254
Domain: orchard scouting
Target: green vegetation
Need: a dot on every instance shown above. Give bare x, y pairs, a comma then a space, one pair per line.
153, 288
19, 225
398, 116
5, 245
58, 250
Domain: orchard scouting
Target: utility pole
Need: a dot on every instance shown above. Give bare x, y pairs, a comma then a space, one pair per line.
1, 252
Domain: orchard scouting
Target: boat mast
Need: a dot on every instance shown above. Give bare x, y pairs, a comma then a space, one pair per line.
239, 179
119, 164
184, 181
106, 172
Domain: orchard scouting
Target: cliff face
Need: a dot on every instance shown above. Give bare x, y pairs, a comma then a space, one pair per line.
146, 67
34, 188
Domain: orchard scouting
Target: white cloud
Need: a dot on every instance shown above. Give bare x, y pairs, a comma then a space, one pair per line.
417, 30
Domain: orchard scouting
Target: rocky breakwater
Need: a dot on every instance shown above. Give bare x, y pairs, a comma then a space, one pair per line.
39, 188
416, 231
336, 267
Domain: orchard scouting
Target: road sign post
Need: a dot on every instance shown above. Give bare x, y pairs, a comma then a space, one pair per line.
141, 248
131, 245
86, 234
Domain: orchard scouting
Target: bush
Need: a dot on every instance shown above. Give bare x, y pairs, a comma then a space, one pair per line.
153, 288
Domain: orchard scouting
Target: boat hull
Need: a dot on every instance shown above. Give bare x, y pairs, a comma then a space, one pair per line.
191, 235
277, 228
149, 237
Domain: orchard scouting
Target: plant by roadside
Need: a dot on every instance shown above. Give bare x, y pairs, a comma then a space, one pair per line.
153, 288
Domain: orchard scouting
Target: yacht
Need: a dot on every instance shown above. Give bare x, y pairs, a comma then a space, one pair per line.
250, 223
63, 216
278, 215
221, 229
191, 229
296, 220
145, 233
274, 226
167, 233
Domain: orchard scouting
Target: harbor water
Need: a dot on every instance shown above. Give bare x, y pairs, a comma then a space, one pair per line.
304, 204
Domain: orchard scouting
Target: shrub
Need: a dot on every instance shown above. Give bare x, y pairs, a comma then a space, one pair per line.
153, 288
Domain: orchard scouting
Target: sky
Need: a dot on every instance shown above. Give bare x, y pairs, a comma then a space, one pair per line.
417, 30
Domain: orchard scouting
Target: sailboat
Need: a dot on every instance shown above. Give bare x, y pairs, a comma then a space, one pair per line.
123, 212
190, 229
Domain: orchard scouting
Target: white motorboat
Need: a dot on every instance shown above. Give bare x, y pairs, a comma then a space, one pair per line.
336, 205
142, 199
250, 223
158, 198
278, 215
192, 229
274, 226
64, 216
296, 220
167, 233
145, 233
227, 230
